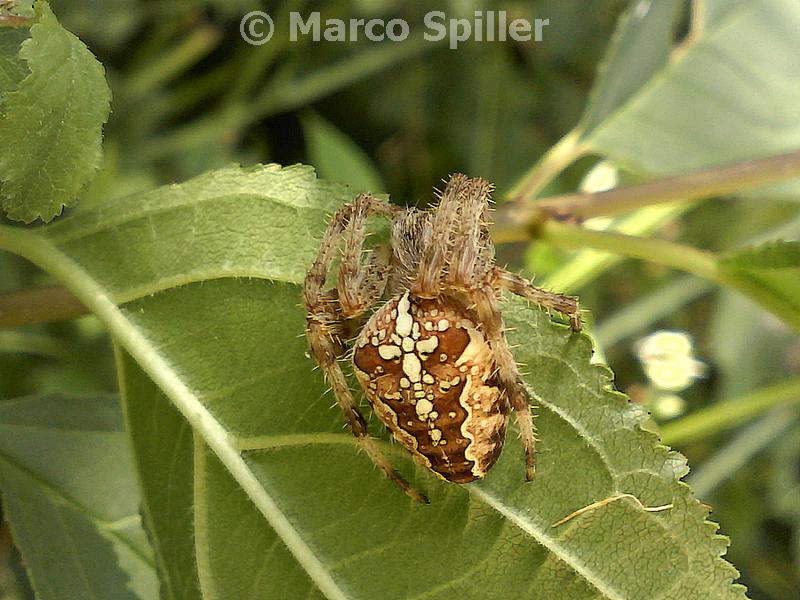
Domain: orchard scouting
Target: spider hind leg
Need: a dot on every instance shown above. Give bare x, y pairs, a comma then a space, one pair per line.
324, 351
330, 313
486, 305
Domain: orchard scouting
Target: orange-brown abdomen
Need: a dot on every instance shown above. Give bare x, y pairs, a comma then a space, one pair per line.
428, 373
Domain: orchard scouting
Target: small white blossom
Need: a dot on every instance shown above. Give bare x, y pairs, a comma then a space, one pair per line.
667, 406
603, 176
668, 361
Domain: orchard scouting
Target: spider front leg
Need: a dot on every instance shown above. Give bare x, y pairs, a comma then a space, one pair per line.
486, 305
361, 282
436, 255
566, 305
358, 287
350, 220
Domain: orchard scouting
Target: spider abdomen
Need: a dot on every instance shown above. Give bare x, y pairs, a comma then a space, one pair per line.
429, 374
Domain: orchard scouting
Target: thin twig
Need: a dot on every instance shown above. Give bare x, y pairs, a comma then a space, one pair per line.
515, 220
39, 305
15, 21
658, 251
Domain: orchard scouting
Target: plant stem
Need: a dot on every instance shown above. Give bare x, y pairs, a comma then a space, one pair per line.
676, 256
37, 344
174, 61
587, 265
555, 160
514, 219
724, 415
14, 21
696, 185
39, 305
662, 252
285, 92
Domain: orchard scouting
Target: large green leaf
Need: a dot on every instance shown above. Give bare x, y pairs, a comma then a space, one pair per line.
12, 69
162, 440
281, 496
770, 274
639, 50
337, 157
51, 124
70, 495
712, 100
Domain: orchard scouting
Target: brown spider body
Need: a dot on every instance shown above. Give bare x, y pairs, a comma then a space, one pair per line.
433, 359
429, 374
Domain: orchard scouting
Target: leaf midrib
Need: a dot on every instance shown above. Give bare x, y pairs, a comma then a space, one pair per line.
46, 255
103, 526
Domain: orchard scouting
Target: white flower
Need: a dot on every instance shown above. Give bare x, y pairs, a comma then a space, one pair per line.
667, 360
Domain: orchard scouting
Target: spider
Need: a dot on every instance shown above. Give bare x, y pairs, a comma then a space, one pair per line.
432, 360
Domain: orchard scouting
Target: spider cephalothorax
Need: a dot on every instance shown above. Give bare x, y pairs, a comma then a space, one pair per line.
432, 359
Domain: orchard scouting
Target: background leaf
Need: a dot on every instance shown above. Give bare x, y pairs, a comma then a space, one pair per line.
712, 101
12, 68
162, 443
51, 124
770, 273
639, 50
337, 158
229, 353
70, 494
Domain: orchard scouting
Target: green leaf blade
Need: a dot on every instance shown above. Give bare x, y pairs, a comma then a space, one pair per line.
51, 124
238, 556
230, 354
72, 500
162, 445
711, 102
770, 274
640, 49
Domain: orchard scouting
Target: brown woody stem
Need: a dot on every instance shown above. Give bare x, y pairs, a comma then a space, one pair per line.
515, 220
39, 305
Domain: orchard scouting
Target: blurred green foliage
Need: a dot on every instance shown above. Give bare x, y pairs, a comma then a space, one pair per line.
190, 95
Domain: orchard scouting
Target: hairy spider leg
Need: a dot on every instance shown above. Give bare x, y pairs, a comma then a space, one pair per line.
361, 282
324, 321
434, 260
486, 301
488, 309
471, 253
566, 305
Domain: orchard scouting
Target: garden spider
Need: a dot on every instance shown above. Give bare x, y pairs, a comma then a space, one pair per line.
433, 360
